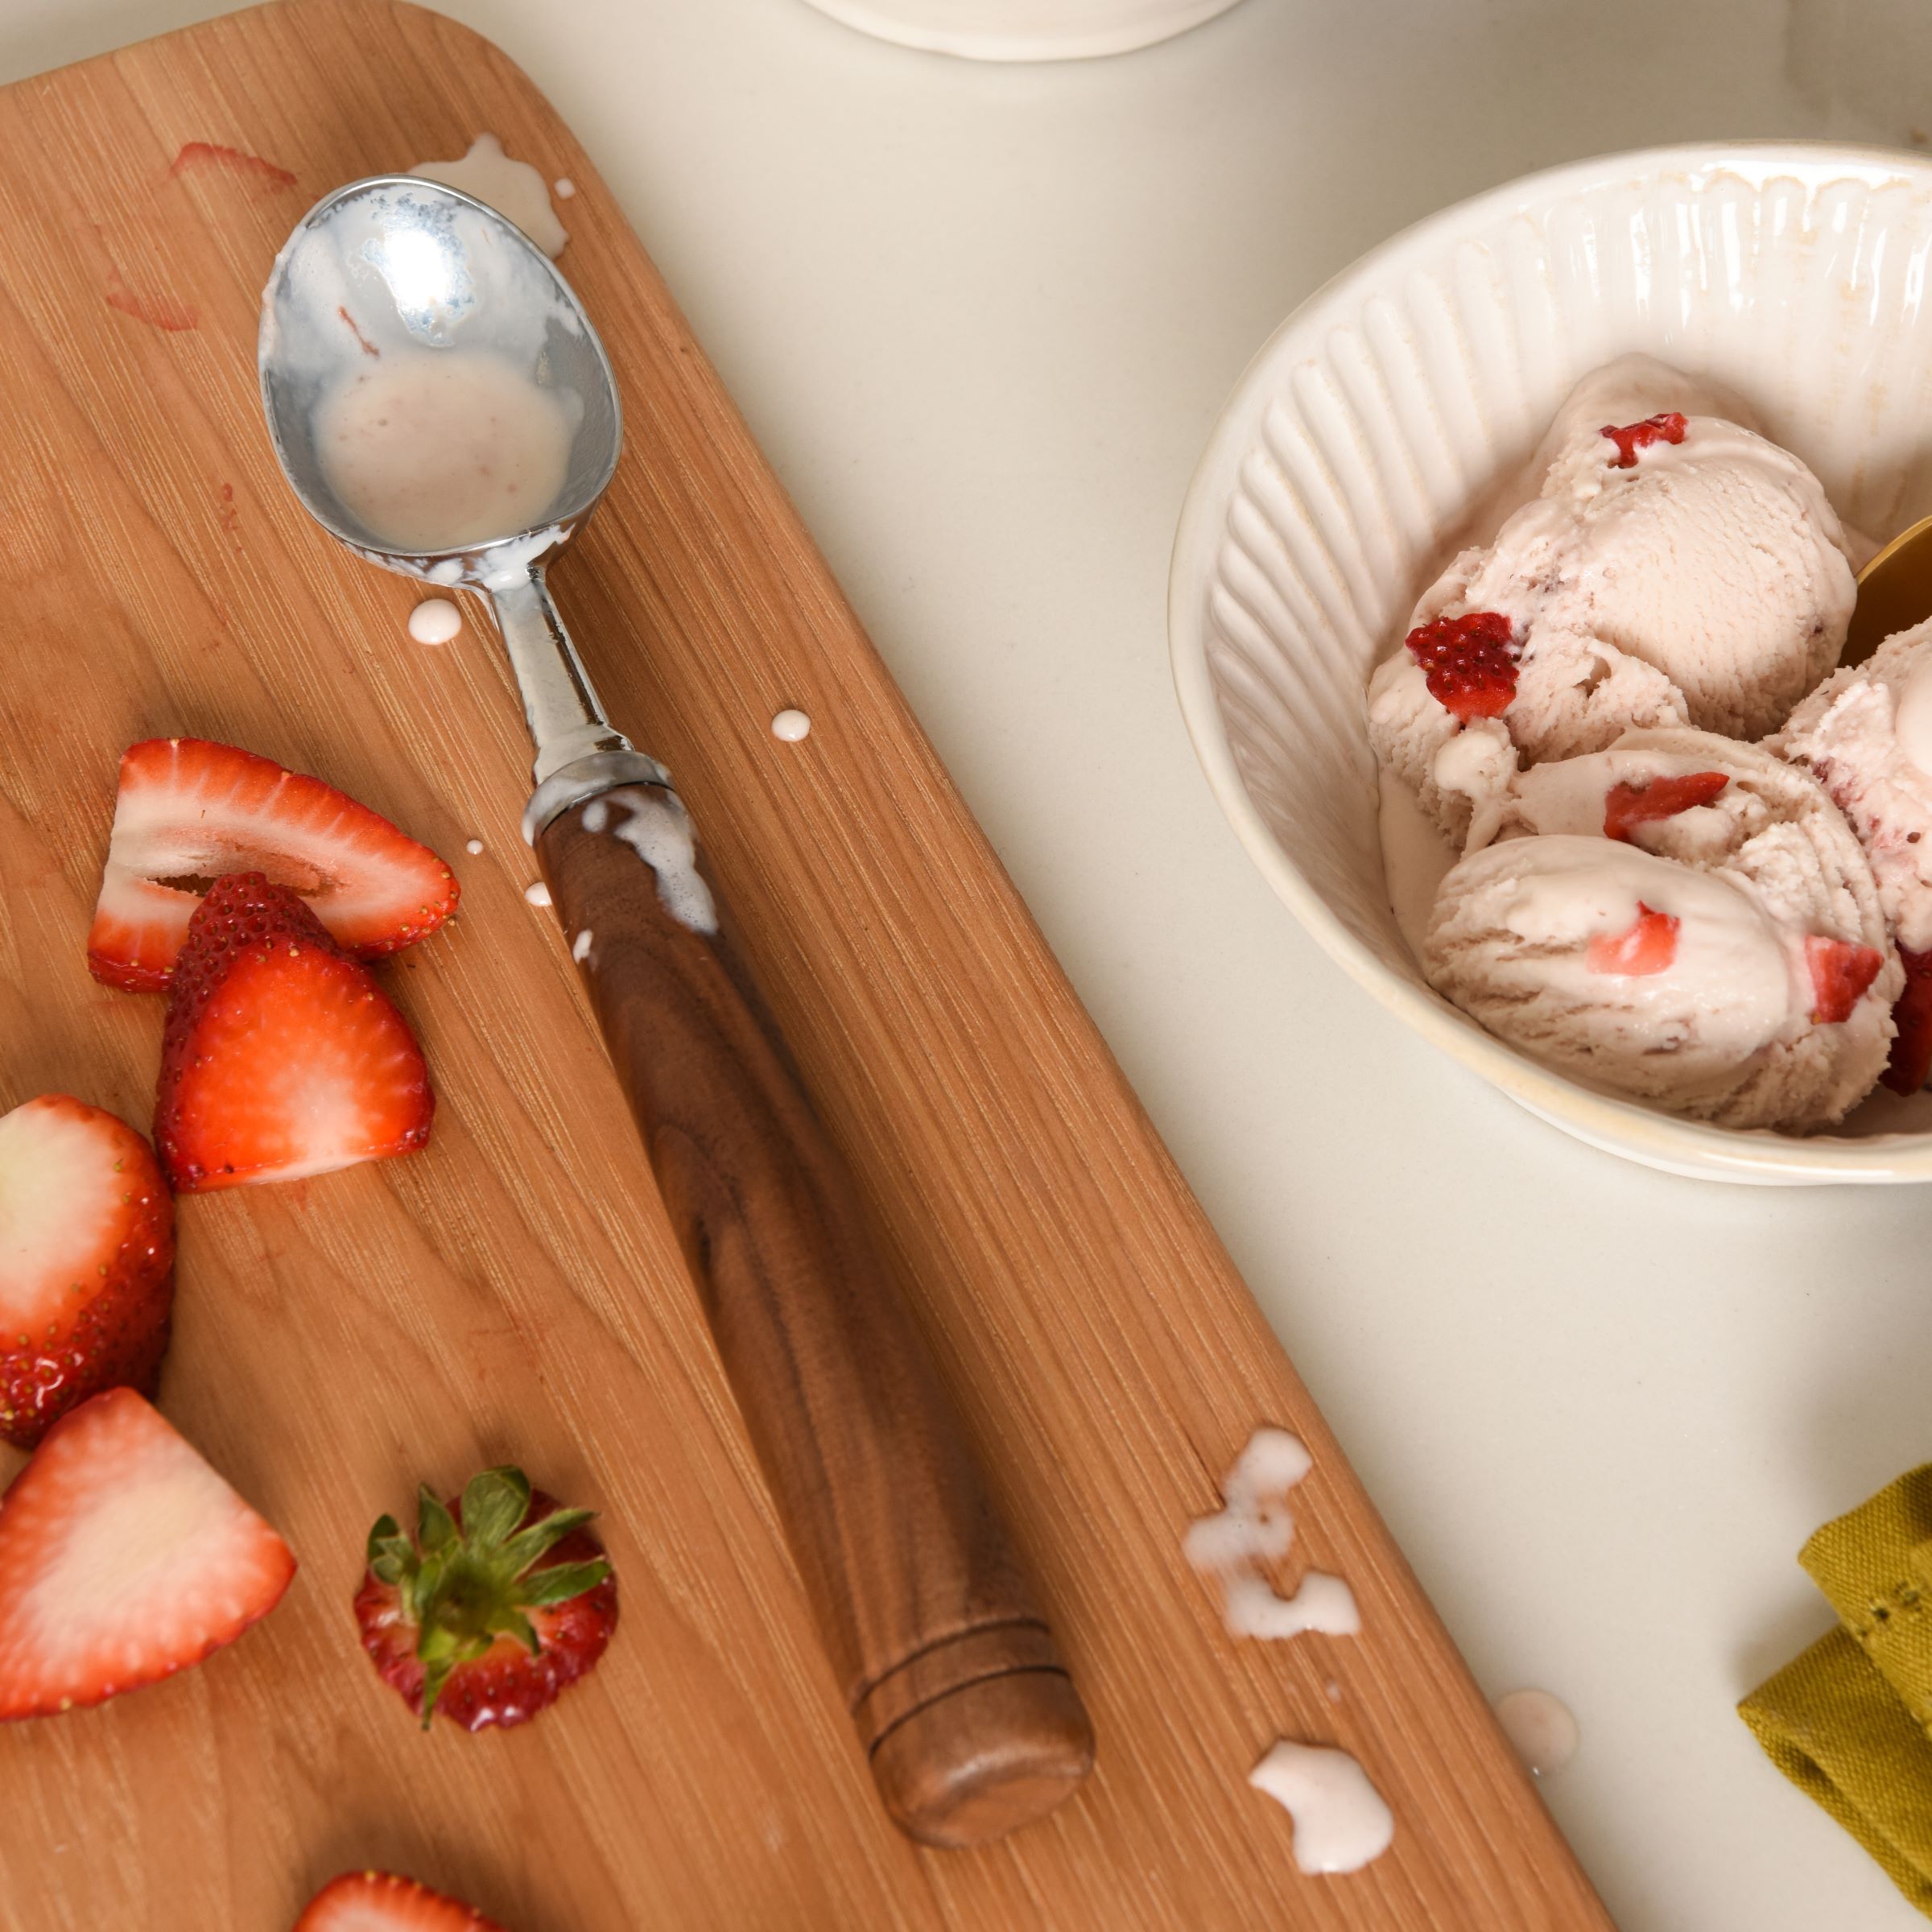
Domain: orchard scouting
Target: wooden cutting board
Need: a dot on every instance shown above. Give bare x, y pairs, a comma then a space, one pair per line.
513, 1292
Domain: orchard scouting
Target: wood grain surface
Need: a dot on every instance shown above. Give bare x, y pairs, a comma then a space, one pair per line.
516, 1292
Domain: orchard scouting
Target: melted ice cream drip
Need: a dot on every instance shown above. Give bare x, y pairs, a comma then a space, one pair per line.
1255, 1529
1341, 1820
514, 188
657, 828
435, 620
433, 448
538, 894
1542, 1728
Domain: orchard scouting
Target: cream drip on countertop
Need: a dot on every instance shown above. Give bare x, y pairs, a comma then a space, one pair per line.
1542, 1729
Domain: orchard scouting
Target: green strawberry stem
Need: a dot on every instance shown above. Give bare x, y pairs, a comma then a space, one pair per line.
463, 1587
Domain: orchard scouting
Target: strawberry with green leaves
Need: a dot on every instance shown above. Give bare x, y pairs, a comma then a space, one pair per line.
500, 1602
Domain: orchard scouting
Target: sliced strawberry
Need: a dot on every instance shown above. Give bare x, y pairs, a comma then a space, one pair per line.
188, 810
281, 1057
87, 1260
1840, 974
1470, 661
501, 1603
123, 1559
1626, 806
380, 1901
1638, 951
1910, 1065
1668, 427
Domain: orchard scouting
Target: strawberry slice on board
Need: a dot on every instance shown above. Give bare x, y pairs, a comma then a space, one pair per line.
281, 1058
87, 1262
124, 1557
381, 1901
1840, 974
189, 810
499, 1603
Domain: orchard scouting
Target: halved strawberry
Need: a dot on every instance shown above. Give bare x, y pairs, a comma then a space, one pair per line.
281, 1057
1668, 426
1627, 805
380, 1901
190, 810
1471, 663
123, 1559
87, 1259
1648, 946
1840, 974
501, 1603
1910, 1065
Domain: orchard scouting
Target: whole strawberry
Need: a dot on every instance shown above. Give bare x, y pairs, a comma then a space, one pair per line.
500, 1602
87, 1259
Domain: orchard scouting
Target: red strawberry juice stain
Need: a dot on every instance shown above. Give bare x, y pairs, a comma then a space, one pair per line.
230, 516
1470, 661
211, 157
1668, 426
367, 347
157, 311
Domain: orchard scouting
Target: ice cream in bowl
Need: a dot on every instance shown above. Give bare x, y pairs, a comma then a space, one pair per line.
1508, 609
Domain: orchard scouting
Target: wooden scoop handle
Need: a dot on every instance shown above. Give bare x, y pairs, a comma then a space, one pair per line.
970, 1722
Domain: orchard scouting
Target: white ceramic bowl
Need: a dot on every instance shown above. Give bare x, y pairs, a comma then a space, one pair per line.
1799, 274
1024, 30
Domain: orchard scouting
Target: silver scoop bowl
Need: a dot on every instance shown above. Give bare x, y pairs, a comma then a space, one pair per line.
398, 261
968, 1719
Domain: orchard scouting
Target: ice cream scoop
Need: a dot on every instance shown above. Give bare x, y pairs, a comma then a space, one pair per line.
1865, 734
440, 403
1682, 920
1674, 569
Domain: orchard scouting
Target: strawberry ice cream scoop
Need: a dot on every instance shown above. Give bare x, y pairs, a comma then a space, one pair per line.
1674, 569
1676, 921
1866, 736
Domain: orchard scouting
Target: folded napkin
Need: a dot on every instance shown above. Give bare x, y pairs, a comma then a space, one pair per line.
1850, 1722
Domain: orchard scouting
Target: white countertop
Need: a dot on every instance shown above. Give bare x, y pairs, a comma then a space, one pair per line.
982, 319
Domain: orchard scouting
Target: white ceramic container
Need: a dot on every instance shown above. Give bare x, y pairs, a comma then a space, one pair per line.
1025, 30
1362, 433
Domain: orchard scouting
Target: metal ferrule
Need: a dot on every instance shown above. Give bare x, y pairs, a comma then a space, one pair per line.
599, 772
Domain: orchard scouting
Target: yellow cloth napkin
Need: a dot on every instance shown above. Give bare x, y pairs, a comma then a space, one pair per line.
1850, 1722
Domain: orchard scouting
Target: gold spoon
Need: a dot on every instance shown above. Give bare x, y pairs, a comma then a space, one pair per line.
1894, 592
